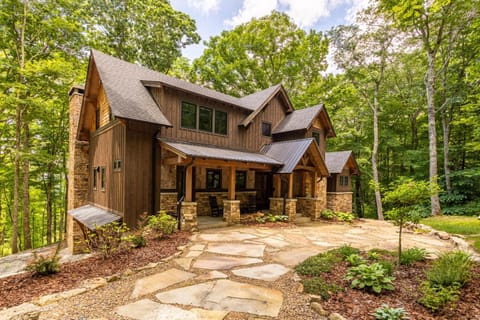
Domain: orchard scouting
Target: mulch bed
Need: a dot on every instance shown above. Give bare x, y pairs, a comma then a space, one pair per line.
24, 287
359, 305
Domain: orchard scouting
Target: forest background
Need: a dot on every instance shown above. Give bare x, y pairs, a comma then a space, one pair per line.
406, 99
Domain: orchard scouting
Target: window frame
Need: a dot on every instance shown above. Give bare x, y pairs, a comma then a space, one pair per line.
103, 178
344, 180
214, 172
264, 124
182, 125
117, 165
95, 178
215, 122
244, 184
316, 133
212, 118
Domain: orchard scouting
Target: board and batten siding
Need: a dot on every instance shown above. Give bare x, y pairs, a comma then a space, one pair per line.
317, 126
107, 145
103, 105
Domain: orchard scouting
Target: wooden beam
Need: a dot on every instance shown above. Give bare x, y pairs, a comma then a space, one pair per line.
188, 184
290, 186
173, 161
306, 168
277, 184
236, 164
231, 184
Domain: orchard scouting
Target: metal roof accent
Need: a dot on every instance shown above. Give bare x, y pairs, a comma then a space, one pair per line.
290, 152
213, 152
92, 217
336, 161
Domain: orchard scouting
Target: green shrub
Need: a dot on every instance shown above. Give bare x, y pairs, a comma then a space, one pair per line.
388, 266
372, 255
327, 214
320, 287
344, 251
162, 224
387, 313
355, 260
260, 220
108, 239
138, 241
368, 277
345, 216
436, 297
451, 268
382, 252
412, 255
44, 265
318, 264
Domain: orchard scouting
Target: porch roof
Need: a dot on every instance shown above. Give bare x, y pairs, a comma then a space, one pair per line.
336, 161
190, 150
92, 216
290, 153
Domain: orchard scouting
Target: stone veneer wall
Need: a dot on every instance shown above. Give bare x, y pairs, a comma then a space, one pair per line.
168, 201
188, 216
311, 207
339, 201
231, 211
276, 207
77, 173
204, 204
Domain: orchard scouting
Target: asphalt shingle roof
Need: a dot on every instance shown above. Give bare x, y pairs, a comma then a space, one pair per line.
214, 152
299, 119
336, 161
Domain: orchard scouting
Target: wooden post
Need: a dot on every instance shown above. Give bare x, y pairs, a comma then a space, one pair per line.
188, 184
290, 186
277, 184
314, 184
231, 184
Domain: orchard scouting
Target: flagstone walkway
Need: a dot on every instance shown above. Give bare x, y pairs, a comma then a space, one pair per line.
232, 273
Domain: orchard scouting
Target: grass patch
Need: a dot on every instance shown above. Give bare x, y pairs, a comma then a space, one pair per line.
318, 264
412, 255
320, 287
454, 224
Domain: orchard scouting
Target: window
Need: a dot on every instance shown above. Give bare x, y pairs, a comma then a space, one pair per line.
94, 177
189, 116
241, 180
266, 129
102, 178
205, 119
316, 136
97, 118
344, 180
220, 122
214, 179
117, 165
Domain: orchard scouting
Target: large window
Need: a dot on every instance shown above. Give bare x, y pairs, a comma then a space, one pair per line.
205, 121
344, 180
266, 129
214, 179
189, 115
208, 119
240, 180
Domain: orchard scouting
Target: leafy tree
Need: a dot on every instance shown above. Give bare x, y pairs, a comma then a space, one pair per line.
262, 53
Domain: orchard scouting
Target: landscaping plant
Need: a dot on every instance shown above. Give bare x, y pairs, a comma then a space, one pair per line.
355, 260
412, 255
320, 287
327, 214
345, 250
108, 239
387, 313
372, 277
45, 265
318, 264
345, 216
436, 297
162, 224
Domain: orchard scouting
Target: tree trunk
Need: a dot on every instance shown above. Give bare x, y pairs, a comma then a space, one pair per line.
432, 132
27, 237
16, 180
378, 196
49, 209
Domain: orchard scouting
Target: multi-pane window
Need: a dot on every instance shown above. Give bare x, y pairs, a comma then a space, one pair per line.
189, 115
267, 129
344, 180
203, 118
240, 180
214, 179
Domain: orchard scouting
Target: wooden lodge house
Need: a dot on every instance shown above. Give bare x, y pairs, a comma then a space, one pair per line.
140, 141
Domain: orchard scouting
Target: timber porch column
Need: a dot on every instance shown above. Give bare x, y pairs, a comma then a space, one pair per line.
231, 207
290, 203
277, 203
188, 211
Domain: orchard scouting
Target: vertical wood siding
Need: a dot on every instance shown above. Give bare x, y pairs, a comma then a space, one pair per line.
104, 106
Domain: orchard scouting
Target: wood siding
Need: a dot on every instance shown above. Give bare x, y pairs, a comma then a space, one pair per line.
103, 105
317, 126
106, 146
249, 138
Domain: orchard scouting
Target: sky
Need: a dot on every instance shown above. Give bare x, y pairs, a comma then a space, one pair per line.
214, 16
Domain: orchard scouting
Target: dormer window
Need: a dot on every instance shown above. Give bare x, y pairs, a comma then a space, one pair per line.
266, 129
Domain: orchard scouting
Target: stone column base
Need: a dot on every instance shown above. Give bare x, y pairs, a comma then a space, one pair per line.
75, 237
231, 211
276, 207
188, 216
312, 207
168, 201
339, 201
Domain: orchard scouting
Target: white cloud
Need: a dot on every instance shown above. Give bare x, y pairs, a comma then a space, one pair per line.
356, 6
306, 13
205, 6
252, 9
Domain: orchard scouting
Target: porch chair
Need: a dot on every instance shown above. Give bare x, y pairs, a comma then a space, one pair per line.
252, 204
215, 210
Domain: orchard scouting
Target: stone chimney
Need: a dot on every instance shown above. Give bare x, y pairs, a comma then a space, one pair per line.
77, 172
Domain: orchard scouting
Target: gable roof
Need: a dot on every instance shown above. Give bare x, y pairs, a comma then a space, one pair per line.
336, 161
302, 120
291, 151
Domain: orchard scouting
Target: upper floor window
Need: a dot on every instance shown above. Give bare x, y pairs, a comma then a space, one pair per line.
117, 165
214, 179
316, 136
267, 129
203, 118
344, 180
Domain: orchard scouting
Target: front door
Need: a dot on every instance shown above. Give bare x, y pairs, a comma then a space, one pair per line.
263, 187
